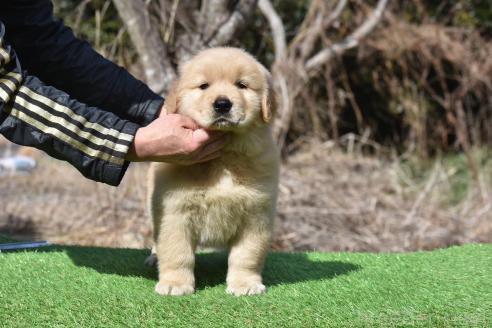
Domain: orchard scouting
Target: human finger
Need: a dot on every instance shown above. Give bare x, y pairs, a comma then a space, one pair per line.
209, 157
203, 137
215, 135
187, 122
210, 148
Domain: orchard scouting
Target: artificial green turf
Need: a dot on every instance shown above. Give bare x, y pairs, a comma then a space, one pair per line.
96, 287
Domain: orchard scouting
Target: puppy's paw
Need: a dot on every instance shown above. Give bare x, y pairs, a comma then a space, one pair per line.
151, 260
164, 288
245, 288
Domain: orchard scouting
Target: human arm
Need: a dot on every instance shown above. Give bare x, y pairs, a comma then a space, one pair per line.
32, 113
49, 50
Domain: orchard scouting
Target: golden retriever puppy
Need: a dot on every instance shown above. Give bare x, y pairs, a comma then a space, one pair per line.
227, 202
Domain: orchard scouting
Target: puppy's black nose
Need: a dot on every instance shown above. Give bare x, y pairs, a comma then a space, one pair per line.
222, 105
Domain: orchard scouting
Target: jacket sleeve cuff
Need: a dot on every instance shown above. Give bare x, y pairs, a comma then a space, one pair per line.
148, 109
113, 174
152, 111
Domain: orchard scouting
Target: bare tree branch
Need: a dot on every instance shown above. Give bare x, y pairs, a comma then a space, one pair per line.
309, 29
239, 17
170, 26
277, 27
191, 24
158, 69
213, 14
279, 79
285, 109
335, 13
315, 22
351, 41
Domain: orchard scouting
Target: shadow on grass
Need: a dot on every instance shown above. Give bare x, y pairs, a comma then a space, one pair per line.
210, 268
280, 268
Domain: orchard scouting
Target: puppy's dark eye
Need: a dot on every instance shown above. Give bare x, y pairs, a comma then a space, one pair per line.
203, 86
241, 85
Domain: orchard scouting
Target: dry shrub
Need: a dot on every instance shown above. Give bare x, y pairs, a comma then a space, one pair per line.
440, 79
328, 200
331, 200
57, 203
414, 83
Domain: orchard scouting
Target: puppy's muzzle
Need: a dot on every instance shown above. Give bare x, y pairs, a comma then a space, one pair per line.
222, 106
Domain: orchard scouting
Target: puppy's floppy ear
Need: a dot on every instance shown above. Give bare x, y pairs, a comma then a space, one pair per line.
172, 100
269, 99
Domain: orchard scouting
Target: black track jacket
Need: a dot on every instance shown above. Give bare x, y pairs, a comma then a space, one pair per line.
57, 94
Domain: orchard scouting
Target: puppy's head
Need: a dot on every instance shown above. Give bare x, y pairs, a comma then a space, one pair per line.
223, 89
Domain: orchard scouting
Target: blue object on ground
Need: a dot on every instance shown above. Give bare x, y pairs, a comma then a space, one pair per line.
17, 163
22, 245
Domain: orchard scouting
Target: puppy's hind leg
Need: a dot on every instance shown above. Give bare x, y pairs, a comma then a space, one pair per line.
176, 257
246, 260
151, 260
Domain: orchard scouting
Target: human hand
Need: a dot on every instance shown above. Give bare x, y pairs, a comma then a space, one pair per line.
176, 139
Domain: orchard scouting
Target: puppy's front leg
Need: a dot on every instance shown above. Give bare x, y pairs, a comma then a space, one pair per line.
246, 260
176, 258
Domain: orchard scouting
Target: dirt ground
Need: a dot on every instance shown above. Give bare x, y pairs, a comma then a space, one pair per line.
328, 200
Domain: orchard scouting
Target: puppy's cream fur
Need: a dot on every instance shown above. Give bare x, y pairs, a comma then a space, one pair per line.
227, 202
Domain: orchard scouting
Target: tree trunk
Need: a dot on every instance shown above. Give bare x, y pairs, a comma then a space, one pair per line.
158, 70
